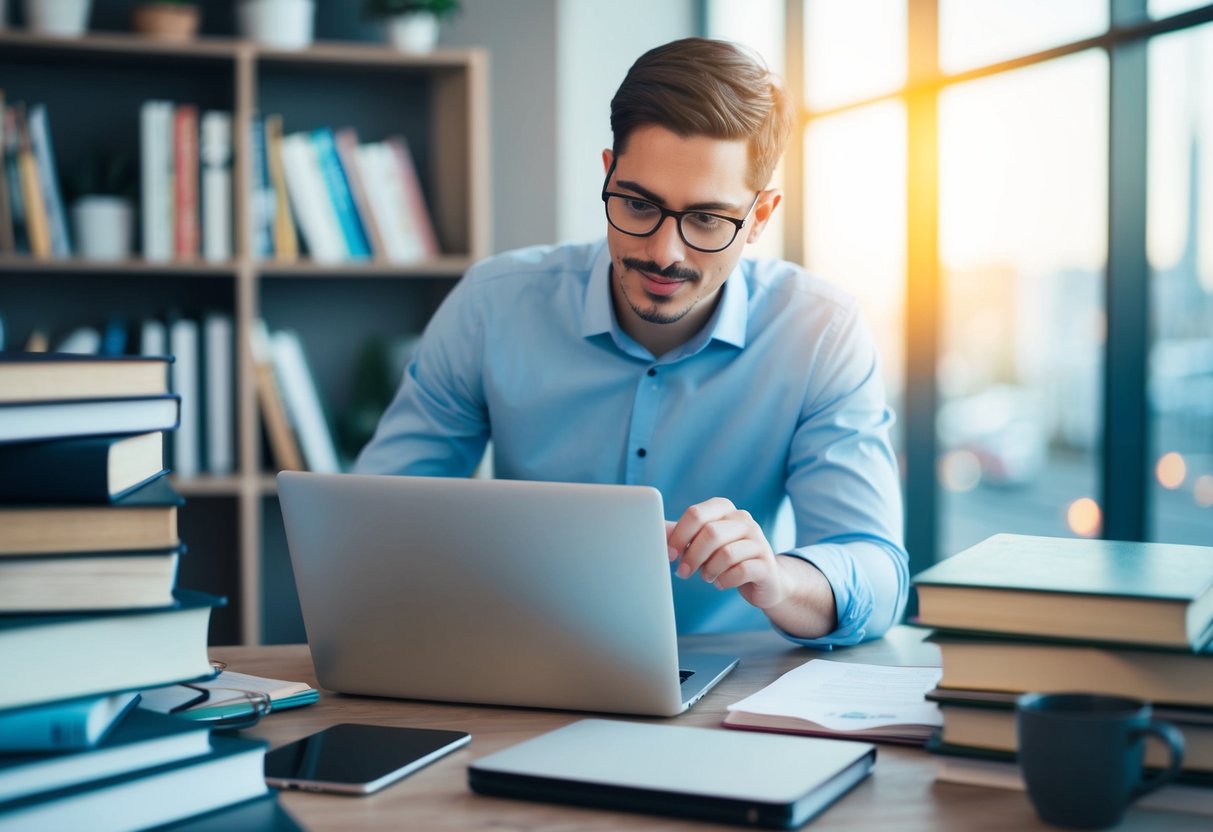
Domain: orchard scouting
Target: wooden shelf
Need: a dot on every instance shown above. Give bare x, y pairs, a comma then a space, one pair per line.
94, 88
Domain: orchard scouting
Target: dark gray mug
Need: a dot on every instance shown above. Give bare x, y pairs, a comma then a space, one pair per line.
1082, 755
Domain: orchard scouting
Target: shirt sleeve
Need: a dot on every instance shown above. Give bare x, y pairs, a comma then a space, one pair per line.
844, 486
437, 425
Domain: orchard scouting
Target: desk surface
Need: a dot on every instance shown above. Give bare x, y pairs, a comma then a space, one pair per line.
900, 793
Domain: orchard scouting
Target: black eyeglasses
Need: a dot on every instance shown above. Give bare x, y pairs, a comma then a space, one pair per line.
701, 230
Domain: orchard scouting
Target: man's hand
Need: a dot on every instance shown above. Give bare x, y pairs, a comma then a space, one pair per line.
728, 548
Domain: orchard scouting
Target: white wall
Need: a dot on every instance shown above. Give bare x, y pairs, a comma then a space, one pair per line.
553, 67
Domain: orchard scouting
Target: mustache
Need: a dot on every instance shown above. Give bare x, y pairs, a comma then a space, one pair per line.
672, 271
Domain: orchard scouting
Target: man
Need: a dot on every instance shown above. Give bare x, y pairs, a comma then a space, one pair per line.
660, 357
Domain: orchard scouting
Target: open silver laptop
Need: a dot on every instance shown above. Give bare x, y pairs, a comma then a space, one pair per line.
502, 592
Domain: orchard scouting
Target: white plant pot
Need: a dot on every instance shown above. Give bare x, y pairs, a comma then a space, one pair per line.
281, 24
64, 18
413, 32
103, 227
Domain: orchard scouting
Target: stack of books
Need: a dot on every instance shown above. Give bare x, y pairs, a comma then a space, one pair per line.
1017, 614
89, 608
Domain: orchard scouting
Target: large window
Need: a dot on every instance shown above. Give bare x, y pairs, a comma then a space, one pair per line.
1031, 183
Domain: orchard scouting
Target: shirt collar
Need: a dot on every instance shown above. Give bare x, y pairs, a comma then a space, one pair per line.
727, 324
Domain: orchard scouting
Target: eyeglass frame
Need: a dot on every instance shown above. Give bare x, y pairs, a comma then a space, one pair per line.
259, 704
738, 224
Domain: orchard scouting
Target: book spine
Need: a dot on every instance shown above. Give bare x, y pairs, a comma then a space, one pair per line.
185, 174
284, 444
220, 420
385, 194
37, 225
260, 213
52, 197
8, 240
183, 337
414, 196
215, 150
155, 154
338, 189
12, 173
346, 143
309, 200
286, 243
302, 400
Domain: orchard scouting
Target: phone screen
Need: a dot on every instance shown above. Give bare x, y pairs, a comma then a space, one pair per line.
357, 759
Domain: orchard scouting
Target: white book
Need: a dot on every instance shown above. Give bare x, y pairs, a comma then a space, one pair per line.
183, 340
153, 338
215, 151
155, 160
220, 383
385, 193
310, 200
303, 402
52, 196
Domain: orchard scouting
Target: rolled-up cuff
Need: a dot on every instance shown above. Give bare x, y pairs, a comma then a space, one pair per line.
853, 598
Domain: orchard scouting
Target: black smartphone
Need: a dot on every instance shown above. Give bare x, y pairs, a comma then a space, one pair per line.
357, 759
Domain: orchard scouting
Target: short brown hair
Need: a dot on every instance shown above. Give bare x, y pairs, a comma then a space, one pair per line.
702, 87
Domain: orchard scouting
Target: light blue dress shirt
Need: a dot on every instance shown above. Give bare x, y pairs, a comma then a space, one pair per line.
779, 395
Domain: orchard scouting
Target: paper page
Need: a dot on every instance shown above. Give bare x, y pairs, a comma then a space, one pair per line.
844, 696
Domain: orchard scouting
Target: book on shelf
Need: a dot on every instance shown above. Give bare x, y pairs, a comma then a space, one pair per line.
215, 152
139, 740
48, 178
146, 518
60, 726
87, 581
11, 149
337, 186
8, 238
37, 223
156, 179
186, 232
187, 439
302, 402
260, 205
227, 694
284, 444
229, 772
1101, 590
310, 203
93, 469
285, 242
1173, 676
83, 340
346, 143
989, 723
39, 420
1002, 772
219, 387
67, 656
419, 214
846, 700
47, 376
404, 240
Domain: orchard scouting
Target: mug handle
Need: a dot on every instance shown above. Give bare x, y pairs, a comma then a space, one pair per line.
1174, 740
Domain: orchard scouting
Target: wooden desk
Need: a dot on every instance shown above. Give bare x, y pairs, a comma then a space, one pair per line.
900, 794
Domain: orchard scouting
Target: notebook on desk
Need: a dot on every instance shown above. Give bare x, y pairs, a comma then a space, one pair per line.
497, 592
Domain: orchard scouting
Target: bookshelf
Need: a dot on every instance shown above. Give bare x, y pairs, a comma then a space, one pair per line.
93, 88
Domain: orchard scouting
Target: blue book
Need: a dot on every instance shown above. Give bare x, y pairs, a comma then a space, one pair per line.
262, 202
230, 772
54, 657
339, 193
141, 740
63, 726
88, 469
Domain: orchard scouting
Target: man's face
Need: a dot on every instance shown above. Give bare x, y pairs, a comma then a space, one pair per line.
663, 288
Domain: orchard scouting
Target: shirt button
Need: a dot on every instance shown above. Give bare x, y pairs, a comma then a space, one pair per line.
642, 453
652, 371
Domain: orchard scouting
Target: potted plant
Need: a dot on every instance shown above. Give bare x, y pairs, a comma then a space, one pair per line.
63, 18
102, 195
281, 24
412, 25
172, 20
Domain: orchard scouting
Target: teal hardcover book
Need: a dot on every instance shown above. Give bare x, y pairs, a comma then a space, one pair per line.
1157, 594
66, 656
63, 726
